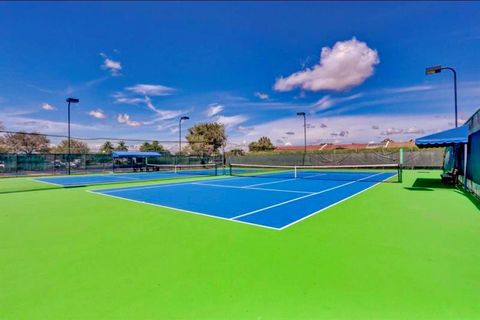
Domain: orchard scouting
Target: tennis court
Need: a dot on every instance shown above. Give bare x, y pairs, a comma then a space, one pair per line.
273, 197
159, 172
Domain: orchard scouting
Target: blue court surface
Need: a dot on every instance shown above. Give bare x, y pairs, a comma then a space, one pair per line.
267, 202
85, 180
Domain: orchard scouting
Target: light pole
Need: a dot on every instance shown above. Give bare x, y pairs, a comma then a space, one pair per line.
70, 100
438, 69
304, 135
180, 134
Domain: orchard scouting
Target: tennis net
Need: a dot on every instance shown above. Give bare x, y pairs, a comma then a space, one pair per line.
210, 169
361, 173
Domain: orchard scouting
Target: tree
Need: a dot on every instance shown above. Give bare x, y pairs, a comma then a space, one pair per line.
107, 147
206, 138
236, 152
263, 144
76, 146
154, 146
121, 146
23, 142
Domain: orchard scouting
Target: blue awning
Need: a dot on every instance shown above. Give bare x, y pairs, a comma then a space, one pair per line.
134, 154
444, 139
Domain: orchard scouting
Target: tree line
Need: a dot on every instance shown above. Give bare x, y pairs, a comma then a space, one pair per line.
203, 139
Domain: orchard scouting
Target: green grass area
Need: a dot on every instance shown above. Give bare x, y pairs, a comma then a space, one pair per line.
406, 251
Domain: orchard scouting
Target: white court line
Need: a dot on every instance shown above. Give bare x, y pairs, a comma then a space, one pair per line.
333, 204
126, 178
186, 211
163, 185
303, 197
249, 188
315, 175
143, 188
52, 183
265, 183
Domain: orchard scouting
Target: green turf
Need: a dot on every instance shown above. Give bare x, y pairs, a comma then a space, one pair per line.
404, 251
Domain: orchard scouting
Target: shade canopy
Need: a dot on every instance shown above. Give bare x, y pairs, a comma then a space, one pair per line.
134, 154
444, 139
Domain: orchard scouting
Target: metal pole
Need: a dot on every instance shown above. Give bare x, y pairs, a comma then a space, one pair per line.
68, 155
304, 138
305, 133
455, 89
454, 92
465, 158
179, 136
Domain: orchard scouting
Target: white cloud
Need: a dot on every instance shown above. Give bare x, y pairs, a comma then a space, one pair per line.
410, 89
262, 96
125, 119
346, 129
98, 113
342, 133
162, 114
245, 129
19, 122
214, 109
328, 102
151, 89
48, 107
346, 65
324, 103
126, 100
301, 95
392, 130
414, 130
232, 120
120, 97
113, 66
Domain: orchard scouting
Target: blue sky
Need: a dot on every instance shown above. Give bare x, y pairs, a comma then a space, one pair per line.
357, 68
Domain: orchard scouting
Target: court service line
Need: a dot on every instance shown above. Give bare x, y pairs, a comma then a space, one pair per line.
249, 188
302, 197
265, 183
315, 175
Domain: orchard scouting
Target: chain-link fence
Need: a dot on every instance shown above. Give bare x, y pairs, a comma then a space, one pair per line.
431, 158
57, 164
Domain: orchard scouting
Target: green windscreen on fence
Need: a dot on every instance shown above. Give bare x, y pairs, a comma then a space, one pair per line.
57, 164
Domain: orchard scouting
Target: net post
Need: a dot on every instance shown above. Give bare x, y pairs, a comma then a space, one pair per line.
230, 169
175, 168
295, 172
400, 165
465, 165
